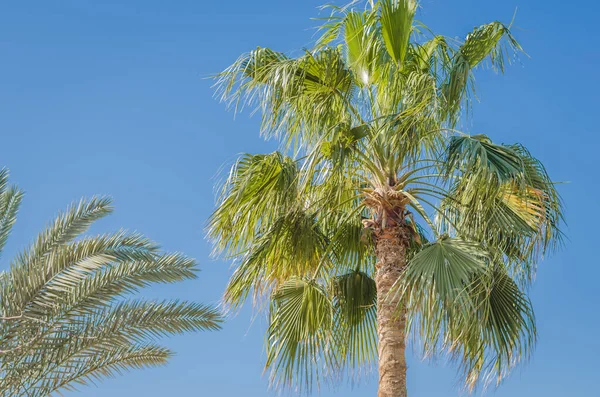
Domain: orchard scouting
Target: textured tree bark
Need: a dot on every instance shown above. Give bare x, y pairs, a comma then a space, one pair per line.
391, 260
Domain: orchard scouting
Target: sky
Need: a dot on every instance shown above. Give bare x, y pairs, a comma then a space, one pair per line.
111, 97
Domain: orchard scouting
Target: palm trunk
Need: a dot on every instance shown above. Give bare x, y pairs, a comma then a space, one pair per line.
391, 260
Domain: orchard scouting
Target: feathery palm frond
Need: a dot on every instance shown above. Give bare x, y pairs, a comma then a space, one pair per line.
66, 316
94, 367
10, 200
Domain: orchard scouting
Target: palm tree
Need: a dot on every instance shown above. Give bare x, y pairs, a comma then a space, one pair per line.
65, 317
379, 220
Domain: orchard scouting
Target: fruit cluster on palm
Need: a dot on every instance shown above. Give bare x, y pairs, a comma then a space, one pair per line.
378, 220
66, 316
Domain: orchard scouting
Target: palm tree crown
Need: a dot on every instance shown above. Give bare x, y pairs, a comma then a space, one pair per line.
378, 204
65, 317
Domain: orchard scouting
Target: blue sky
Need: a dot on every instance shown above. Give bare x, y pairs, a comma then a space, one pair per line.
109, 98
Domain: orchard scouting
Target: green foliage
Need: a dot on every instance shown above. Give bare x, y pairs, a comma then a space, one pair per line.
502, 197
362, 45
444, 267
355, 297
299, 332
372, 111
484, 42
396, 18
67, 316
290, 92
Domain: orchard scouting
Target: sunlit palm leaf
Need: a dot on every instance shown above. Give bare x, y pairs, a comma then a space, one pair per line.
503, 197
362, 45
483, 42
396, 18
292, 246
299, 334
259, 189
291, 92
486, 41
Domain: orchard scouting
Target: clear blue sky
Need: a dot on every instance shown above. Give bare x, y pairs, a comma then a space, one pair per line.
107, 97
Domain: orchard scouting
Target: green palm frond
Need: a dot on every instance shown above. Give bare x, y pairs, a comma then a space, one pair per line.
67, 226
477, 155
299, 335
503, 197
396, 18
443, 268
484, 42
10, 200
431, 55
293, 245
469, 306
66, 312
136, 321
349, 243
363, 45
498, 332
28, 270
259, 189
291, 91
546, 198
355, 297
95, 367
80, 290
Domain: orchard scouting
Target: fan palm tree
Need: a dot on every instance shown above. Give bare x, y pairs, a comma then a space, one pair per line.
379, 222
65, 317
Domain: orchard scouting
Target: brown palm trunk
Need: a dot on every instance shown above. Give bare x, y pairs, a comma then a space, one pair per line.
391, 260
